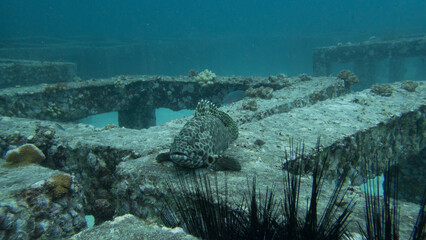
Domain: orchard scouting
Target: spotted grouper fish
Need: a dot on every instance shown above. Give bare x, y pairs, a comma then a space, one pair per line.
203, 139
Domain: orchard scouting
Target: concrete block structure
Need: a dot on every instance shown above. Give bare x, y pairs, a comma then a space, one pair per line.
366, 55
117, 164
16, 73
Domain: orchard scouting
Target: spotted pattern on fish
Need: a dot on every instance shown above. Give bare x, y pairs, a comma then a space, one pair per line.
204, 137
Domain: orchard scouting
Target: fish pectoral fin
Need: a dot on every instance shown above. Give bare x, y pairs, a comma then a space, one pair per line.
226, 164
163, 157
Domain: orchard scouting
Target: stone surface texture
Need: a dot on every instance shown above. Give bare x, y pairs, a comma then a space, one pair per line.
130, 227
30, 210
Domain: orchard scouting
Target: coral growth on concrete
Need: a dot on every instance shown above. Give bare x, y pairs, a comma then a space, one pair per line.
55, 88
261, 92
205, 78
59, 185
304, 77
384, 90
349, 77
280, 78
409, 85
24, 155
29, 211
43, 138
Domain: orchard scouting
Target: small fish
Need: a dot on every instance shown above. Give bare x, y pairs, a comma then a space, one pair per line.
60, 127
203, 139
233, 96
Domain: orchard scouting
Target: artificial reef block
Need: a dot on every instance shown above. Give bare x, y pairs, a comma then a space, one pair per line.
24, 155
119, 163
357, 126
15, 72
369, 51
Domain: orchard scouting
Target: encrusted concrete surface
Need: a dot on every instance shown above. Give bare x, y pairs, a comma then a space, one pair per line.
24, 72
119, 173
362, 122
142, 94
130, 227
374, 126
372, 50
295, 95
30, 209
75, 100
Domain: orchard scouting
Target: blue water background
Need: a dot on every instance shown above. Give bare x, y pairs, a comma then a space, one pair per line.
244, 37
